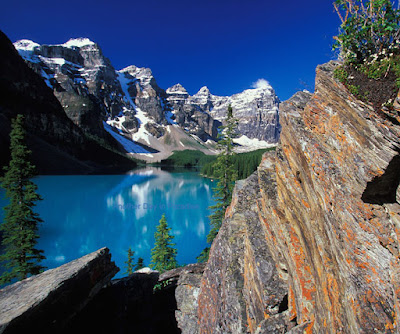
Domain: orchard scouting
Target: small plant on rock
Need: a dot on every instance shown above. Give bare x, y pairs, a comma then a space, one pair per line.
369, 41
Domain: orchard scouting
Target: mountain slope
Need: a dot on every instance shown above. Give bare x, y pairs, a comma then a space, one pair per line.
58, 145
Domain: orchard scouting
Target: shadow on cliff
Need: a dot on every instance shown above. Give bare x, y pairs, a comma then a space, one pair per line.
129, 305
382, 189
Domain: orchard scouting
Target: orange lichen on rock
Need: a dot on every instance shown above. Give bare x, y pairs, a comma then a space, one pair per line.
302, 249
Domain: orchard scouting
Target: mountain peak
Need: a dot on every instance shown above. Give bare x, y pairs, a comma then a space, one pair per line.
177, 89
144, 74
26, 44
203, 91
129, 69
78, 42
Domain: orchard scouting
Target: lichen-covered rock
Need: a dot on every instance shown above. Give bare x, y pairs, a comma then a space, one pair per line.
311, 240
241, 286
186, 294
45, 303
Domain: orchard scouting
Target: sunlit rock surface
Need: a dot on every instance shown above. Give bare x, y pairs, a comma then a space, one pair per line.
310, 243
47, 302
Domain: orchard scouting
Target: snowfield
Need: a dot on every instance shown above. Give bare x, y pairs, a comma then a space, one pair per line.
128, 145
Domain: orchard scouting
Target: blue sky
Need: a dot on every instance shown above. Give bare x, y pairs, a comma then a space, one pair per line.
224, 44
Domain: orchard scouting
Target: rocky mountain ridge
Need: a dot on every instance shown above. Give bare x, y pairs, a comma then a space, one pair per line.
144, 118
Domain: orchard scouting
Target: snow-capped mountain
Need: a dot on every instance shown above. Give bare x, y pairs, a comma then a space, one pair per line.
57, 144
256, 109
142, 117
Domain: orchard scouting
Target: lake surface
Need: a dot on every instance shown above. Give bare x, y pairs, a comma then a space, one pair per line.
84, 213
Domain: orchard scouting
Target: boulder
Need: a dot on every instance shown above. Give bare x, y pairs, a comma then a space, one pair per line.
47, 302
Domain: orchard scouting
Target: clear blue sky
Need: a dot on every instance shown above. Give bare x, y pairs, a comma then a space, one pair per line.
223, 44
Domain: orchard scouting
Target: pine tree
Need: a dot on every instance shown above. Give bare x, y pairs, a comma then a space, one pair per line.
225, 173
140, 264
163, 255
21, 223
203, 257
129, 262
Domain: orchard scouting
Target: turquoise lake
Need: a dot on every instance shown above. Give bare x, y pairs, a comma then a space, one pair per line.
83, 213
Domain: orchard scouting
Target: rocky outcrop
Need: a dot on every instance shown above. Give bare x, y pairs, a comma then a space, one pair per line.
187, 280
46, 303
241, 287
310, 242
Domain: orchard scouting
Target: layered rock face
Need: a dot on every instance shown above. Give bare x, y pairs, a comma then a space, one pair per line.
310, 242
80, 297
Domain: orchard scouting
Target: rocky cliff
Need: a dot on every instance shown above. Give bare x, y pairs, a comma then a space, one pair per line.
310, 243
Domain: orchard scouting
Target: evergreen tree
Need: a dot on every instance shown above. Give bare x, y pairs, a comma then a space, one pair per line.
129, 262
140, 264
21, 223
225, 173
203, 257
163, 255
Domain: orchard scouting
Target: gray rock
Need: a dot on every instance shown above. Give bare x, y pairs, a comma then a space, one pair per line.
47, 302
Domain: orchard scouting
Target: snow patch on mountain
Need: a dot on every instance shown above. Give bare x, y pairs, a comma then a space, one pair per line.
55, 61
143, 74
26, 44
47, 78
124, 81
26, 48
178, 91
142, 133
78, 42
128, 145
246, 143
